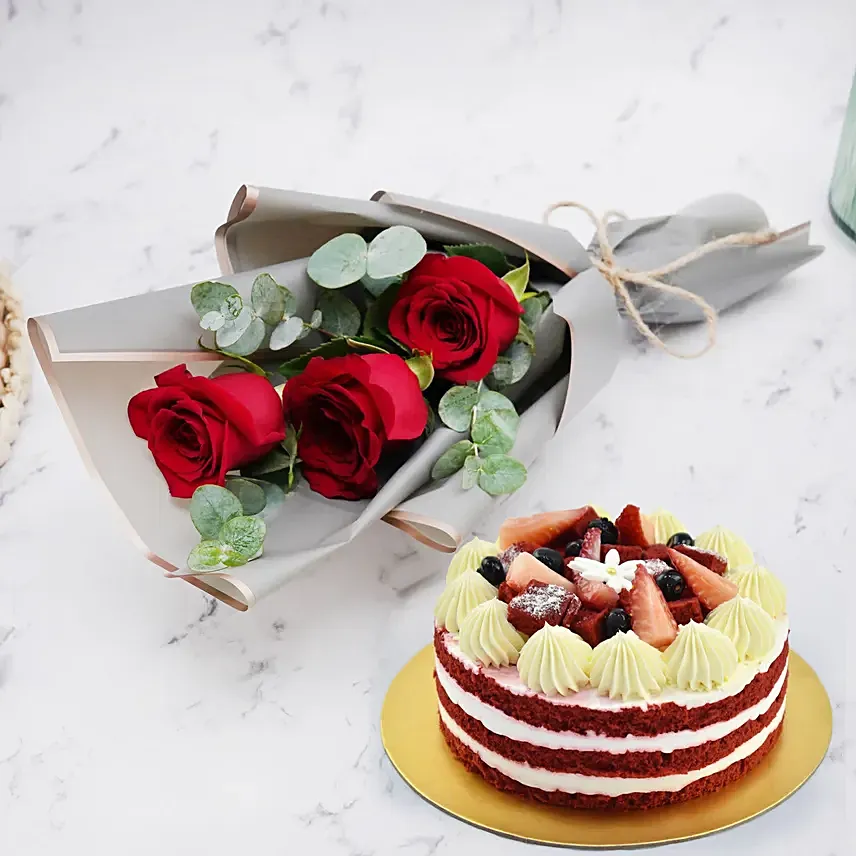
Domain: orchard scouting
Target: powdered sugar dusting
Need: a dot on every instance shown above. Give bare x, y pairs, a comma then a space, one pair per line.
655, 567
541, 601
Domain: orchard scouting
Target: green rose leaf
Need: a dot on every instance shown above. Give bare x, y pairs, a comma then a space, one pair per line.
245, 535
267, 299
290, 441
234, 328
341, 316
525, 335
472, 467
250, 494
286, 333
518, 279
274, 461
452, 459
423, 368
205, 557
210, 507
500, 474
249, 365
489, 256
456, 407
212, 321
376, 287
493, 433
339, 262
251, 339
394, 251
534, 305
209, 296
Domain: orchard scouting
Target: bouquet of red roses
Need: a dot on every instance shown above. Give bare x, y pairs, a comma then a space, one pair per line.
402, 336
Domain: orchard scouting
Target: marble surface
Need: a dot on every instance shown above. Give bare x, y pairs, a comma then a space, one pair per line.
135, 713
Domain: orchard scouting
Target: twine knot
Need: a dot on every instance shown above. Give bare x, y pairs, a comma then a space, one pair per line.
618, 277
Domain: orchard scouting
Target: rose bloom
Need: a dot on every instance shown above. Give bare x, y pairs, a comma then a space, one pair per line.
459, 312
348, 409
200, 428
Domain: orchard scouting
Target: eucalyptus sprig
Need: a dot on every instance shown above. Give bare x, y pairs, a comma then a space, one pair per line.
491, 421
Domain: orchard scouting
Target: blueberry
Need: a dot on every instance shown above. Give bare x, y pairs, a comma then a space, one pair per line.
671, 584
572, 549
681, 539
618, 621
551, 558
491, 569
607, 527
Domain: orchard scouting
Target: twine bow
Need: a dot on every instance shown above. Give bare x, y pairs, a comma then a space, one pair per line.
14, 372
618, 276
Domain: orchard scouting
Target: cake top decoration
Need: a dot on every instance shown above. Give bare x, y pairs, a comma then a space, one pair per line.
487, 635
701, 658
555, 661
664, 525
726, 543
747, 625
763, 587
470, 557
460, 597
625, 667
612, 571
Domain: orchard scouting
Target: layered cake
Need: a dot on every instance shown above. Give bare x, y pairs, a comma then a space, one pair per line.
602, 664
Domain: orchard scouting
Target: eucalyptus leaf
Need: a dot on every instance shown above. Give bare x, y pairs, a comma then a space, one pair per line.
286, 333
305, 330
423, 368
251, 339
511, 366
209, 296
234, 328
213, 320
534, 305
210, 507
489, 256
250, 495
456, 407
525, 335
472, 466
493, 434
501, 474
274, 498
205, 557
518, 279
489, 399
233, 558
244, 534
394, 251
232, 306
289, 302
267, 299
452, 459
341, 316
339, 262
376, 287
317, 316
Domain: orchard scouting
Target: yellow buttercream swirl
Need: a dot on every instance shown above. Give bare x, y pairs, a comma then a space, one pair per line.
489, 637
700, 659
763, 587
664, 524
625, 667
460, 598
470, 556
555, 661
726, 543
747, 625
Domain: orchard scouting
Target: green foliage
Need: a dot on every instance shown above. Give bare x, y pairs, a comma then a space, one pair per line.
376, 287
489, 256
339, 262
470, 476
338, 314
334, 348
286, 333
393, 252
452, 459
518, 279
456, 407
534, 305
210, 507
250, 494
245, 535
501, 474
511, 366
268, 299
423, 368
209, 296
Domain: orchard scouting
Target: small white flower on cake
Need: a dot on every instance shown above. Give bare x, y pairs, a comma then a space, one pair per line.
616, 574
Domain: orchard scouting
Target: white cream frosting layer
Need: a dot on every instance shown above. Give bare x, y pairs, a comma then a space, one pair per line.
576, 783
506, 726
509, 678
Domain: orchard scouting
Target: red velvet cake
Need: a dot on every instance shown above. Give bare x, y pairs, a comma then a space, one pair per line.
588, 663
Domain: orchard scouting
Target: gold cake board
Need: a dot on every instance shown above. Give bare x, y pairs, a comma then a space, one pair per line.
413, 741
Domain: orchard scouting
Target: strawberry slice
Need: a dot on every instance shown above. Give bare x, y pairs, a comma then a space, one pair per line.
633, 528
526, 568
590, 548
545, 528
652, 620
711, 589
595, 595
712, 561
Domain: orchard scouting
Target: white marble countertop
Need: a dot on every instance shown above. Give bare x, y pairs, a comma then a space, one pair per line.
138, 716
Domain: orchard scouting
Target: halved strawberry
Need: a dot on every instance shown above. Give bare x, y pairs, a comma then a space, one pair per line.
712, 561
526, 568
652, 621
710, 588
590, 625
593, 594
627, 553
590, 548
545, 528
633, 528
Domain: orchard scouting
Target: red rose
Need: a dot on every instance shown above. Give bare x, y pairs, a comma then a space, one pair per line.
457, 311
347, 409
199, 428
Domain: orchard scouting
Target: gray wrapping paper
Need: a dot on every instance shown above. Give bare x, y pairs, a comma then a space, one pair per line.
96, 358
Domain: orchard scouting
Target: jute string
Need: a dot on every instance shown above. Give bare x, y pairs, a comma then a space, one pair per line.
618, 277
14, 368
